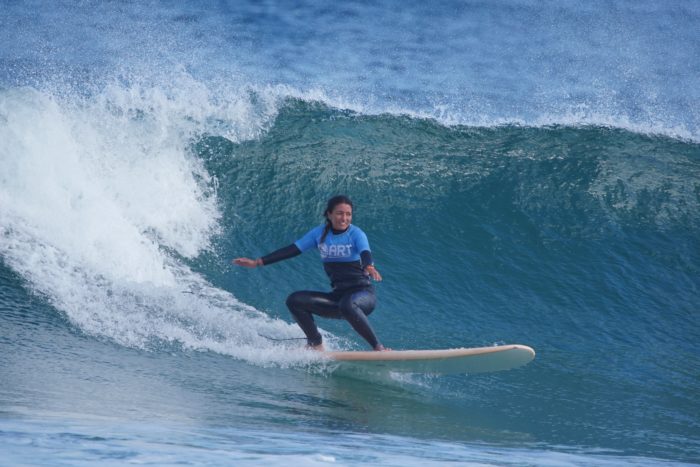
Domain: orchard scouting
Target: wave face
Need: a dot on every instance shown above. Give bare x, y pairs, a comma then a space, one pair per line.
580, 241
542, 189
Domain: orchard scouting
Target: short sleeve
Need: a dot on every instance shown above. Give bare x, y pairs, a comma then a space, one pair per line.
361, 242
309, 240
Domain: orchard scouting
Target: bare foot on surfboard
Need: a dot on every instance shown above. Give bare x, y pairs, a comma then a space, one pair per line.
318, 348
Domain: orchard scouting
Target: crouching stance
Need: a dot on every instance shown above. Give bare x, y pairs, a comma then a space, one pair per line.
347, 260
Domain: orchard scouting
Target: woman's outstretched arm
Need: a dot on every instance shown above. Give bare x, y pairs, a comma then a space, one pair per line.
277, 255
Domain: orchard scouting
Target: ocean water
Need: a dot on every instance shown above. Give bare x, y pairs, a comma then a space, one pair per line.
527, 172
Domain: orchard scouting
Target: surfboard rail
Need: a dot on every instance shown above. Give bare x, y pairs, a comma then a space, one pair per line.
440, 361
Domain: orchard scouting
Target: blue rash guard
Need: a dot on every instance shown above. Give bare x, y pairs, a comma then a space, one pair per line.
341, 253
344, 254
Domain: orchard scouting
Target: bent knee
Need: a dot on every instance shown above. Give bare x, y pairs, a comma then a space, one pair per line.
357, 305
295, 300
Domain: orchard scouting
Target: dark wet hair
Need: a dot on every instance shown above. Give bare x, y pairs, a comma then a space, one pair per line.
332, 203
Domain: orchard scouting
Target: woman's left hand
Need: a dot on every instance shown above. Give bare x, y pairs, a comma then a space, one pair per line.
373, 273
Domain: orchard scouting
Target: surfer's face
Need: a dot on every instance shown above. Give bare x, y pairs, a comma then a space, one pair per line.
340, 216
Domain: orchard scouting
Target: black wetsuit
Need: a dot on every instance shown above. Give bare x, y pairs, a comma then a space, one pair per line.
352, 298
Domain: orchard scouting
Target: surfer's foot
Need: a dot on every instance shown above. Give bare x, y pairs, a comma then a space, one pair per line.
318, 347
380, 348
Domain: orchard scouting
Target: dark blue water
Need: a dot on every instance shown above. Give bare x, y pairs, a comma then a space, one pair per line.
526, 172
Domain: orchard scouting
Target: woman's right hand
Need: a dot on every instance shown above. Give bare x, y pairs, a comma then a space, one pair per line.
247, 262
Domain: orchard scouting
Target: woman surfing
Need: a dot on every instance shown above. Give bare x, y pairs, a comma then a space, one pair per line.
347, 260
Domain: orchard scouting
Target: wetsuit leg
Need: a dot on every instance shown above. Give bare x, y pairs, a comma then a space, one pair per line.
355, 307
303, 303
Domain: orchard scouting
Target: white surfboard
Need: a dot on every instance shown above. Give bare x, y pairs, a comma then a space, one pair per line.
446, 361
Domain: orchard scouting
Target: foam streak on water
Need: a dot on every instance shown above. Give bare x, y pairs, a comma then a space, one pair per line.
81, 443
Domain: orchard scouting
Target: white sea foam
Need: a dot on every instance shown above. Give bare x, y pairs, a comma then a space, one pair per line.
101, 203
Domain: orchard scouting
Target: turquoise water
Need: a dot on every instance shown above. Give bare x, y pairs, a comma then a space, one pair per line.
535, 185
